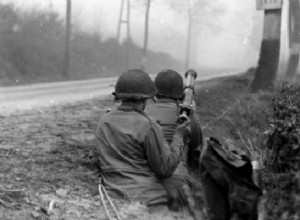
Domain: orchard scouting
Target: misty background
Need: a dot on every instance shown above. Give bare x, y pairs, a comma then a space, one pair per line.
226, 35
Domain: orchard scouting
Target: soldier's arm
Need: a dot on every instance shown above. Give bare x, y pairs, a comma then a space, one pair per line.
163, 158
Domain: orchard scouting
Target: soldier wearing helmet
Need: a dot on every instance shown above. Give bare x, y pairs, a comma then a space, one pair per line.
165, 110
133, 153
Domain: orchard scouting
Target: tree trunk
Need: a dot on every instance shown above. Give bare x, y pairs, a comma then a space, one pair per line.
144, 57
269, 52
67, 39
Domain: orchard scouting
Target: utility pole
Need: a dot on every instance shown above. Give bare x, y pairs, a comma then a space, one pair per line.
144, 58
125, 22
294, 39
66, 65
265, 74
188, 43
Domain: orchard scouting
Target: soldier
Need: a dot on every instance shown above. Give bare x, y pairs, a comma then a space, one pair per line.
133, 153
165, 110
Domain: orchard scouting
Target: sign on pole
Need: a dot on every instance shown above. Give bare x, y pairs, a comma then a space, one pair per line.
268, 4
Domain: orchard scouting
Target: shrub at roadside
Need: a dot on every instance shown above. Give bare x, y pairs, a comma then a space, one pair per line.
282, 161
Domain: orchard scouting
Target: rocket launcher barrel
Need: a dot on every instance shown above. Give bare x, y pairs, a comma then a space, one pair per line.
187, 105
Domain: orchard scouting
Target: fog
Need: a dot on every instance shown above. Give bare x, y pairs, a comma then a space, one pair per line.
225, 34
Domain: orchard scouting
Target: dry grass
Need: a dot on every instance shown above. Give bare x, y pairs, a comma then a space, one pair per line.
229, 111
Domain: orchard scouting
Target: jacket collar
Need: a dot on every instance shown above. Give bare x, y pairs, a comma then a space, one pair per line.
164, 100
128, 108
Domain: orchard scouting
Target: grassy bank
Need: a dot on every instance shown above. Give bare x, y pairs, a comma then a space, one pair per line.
227, 111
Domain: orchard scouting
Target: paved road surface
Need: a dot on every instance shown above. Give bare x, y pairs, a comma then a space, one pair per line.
37, 96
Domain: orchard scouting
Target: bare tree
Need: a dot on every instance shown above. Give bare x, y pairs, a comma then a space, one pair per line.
66, 65
196, 13
144, 57
195, 10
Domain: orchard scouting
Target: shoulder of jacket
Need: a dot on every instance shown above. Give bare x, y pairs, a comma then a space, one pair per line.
107, 114
149, 118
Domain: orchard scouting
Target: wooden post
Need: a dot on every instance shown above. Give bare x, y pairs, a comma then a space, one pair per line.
127, 22
120, 21
67, 39
144, 57
128, 34
188, 43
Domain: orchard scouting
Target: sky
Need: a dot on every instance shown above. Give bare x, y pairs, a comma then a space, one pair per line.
226, 34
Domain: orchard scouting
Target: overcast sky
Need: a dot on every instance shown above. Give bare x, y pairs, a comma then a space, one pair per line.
231, 41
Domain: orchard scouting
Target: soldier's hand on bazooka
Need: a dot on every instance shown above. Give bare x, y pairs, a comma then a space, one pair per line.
183, 128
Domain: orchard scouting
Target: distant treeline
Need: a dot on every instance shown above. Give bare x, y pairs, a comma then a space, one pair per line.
32, 50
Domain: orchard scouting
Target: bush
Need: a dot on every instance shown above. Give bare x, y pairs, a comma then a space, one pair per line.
282, 161
31, 44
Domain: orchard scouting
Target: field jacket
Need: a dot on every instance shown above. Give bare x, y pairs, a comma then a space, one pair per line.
166, 112
133, 155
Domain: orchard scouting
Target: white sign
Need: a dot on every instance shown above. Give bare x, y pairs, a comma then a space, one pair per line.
268, 4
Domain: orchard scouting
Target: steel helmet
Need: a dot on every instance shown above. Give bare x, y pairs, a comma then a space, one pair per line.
134, 84
169, 83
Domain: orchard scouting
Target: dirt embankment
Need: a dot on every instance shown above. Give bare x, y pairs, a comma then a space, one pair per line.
47, 168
